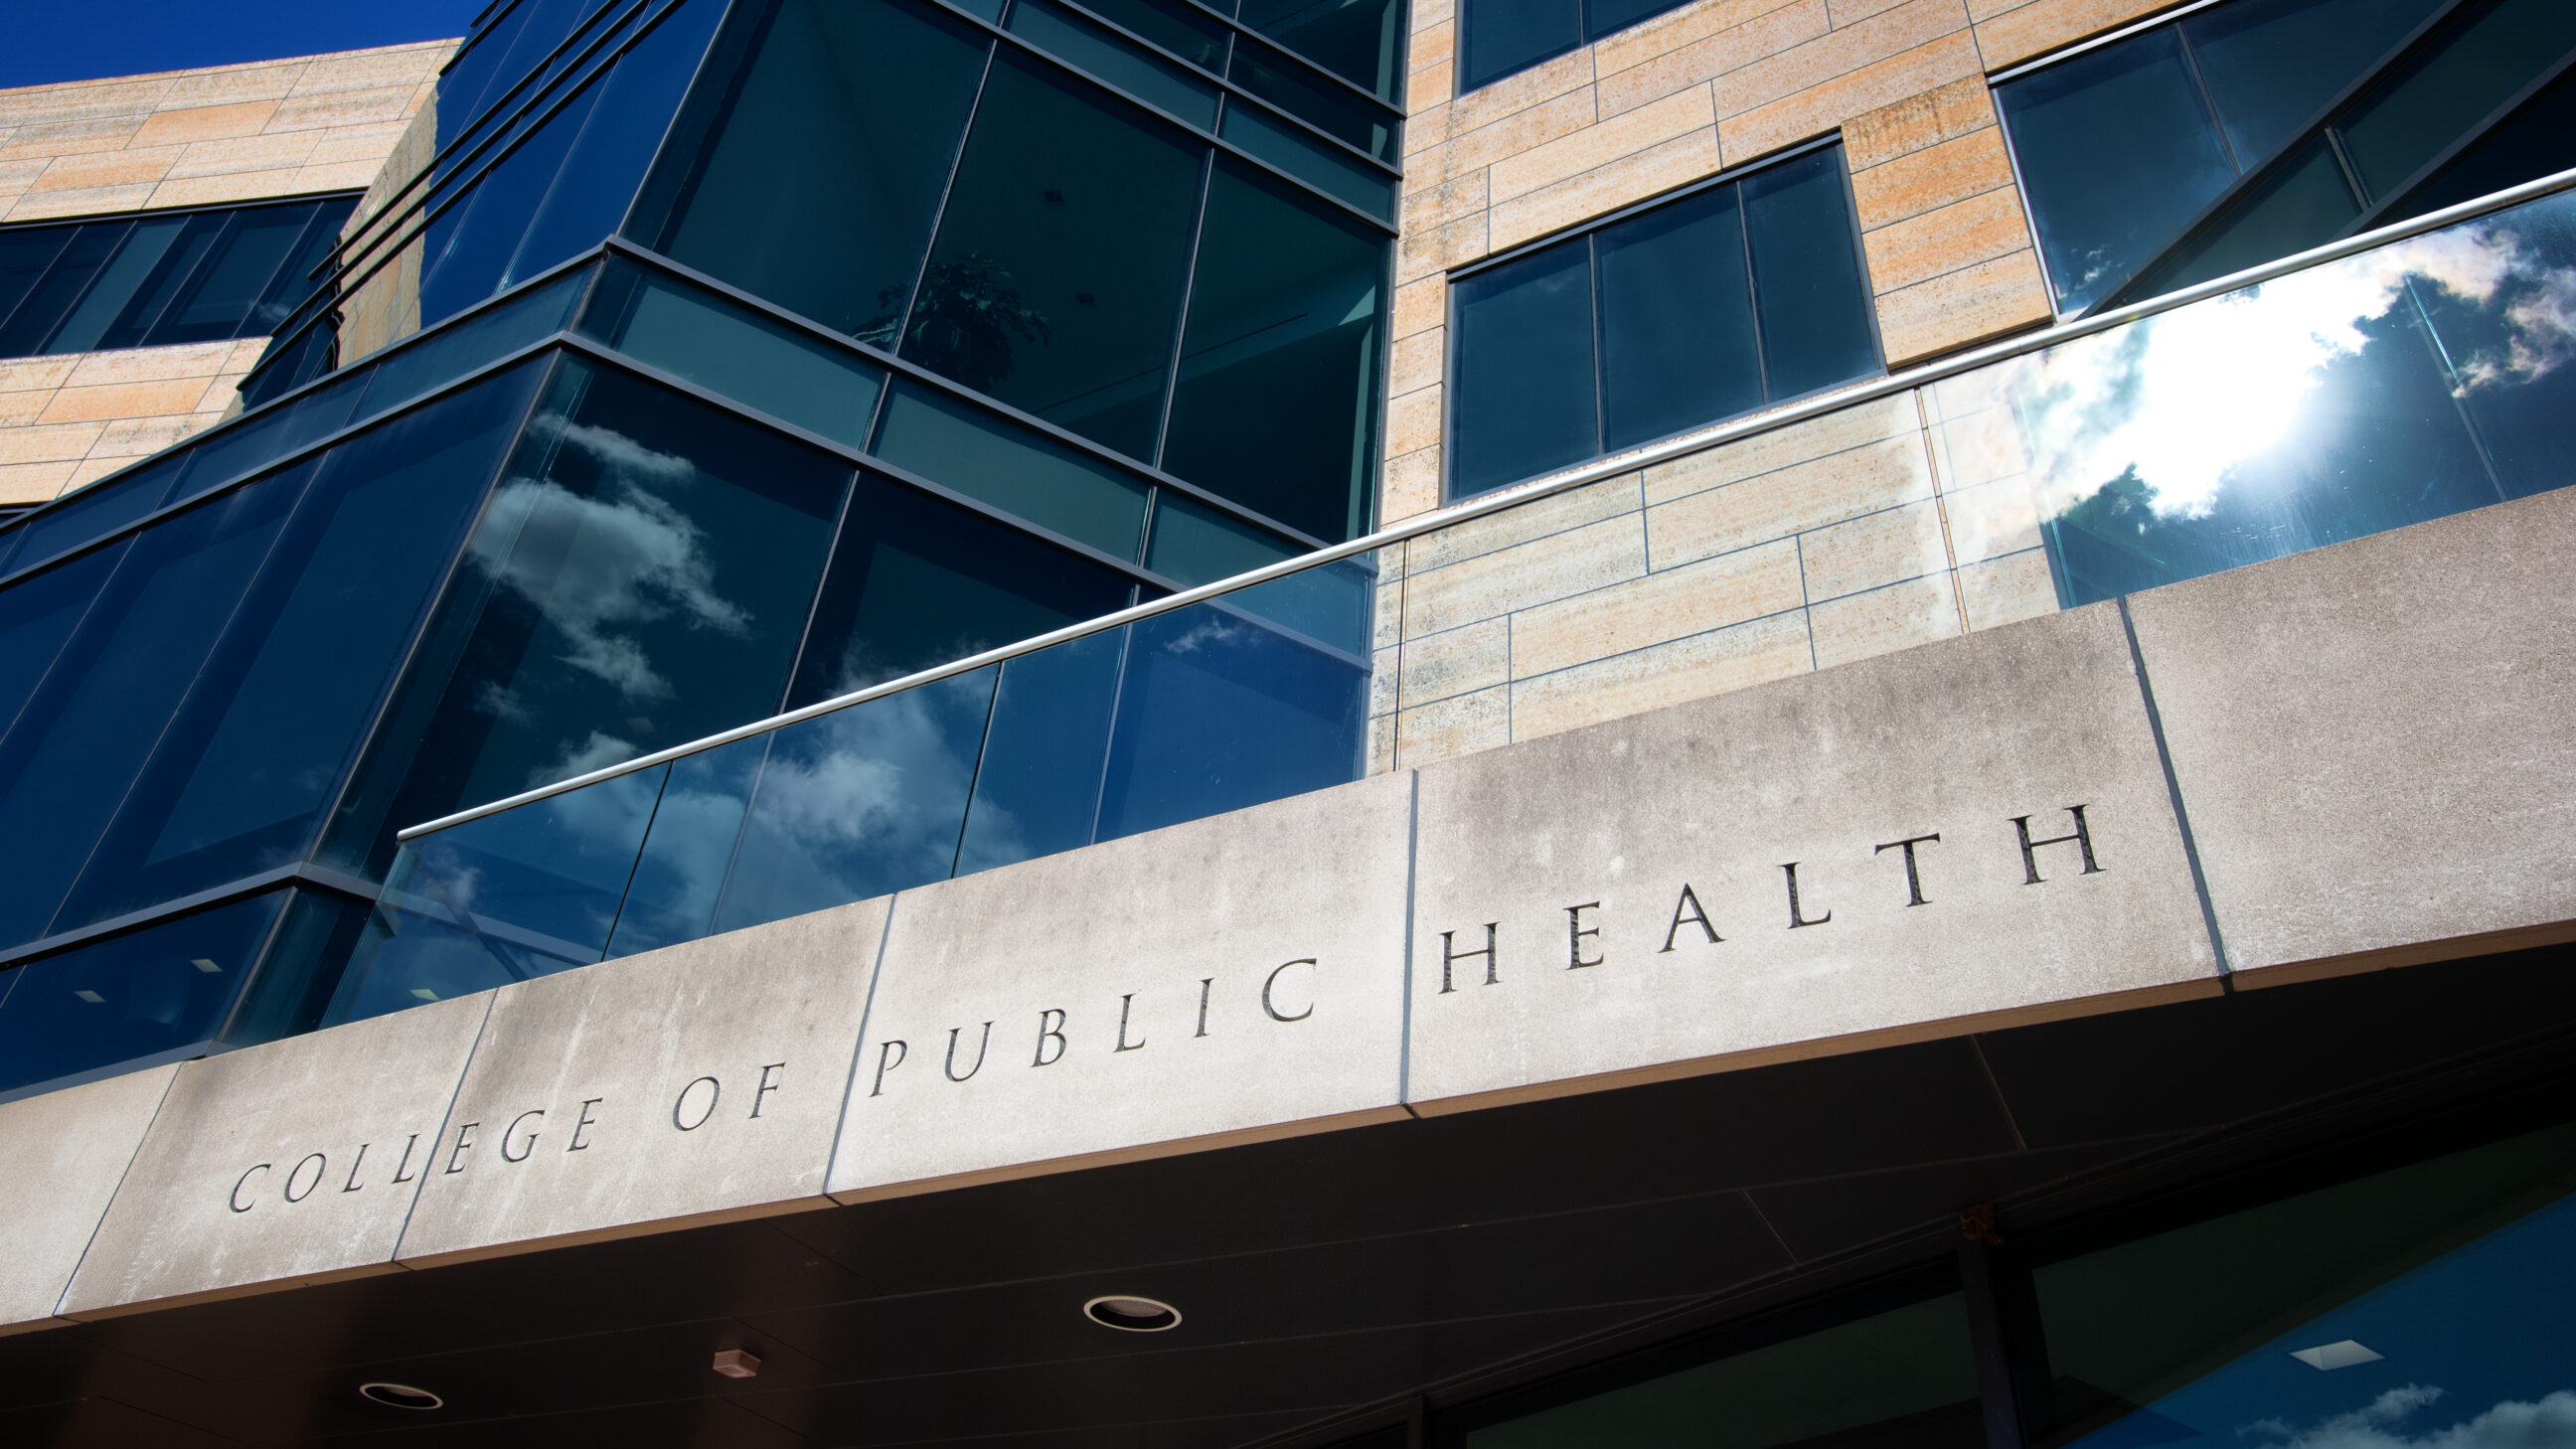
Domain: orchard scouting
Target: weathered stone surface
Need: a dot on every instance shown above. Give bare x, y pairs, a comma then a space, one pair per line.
1223, 980
1578, 849
61, 1157
695, 1083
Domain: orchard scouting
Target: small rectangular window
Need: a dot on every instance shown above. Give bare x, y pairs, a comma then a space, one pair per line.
1501, 38
159, 278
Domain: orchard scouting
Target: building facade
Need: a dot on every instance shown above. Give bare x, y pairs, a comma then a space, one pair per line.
1130, 722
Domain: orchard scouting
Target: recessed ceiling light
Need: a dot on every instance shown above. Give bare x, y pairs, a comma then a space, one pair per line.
2342, 1354
1132, 1314
737, 1363
202, 964
400, 1396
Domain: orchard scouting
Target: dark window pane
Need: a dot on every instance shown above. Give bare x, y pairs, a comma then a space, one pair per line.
1289, 86
155, 990
1194, 545
820, 184
1807, 281
681, 869
1039, 784
600, 176
1336, 173
1218, 713
59, 290
493, 335
2482, 58
239, 782
2539, 139
1277, 403
118, 282
1016, 469
860, 802
2270, 64
696, 335
2517, 389
1112, 58
1603, 18
481, 235
1502, 37
218, 298
1171, 24
24, 256
2304, 202
917, 583
293, 986
78, 744
250, 445
1524, 355
640, 579
295, 281
107, 504
179, 265
36, 616
1057, 274
1357, 40
2116, 153
1677, 341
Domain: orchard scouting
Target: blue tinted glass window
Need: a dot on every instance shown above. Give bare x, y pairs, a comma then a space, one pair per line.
1525, 369
2485, 54
471, 246
1334, 172
59, 289
1677, 338
1039, 787
25, 253
494, 334
107, 504
149, 991
246, 446
161, 278
1500, 37
1357, 40
1807, 282
1020, 470
693, 334
1174, 25
681, 870
1112, 58
118, 282
237, 272
2270, 65
36, 615
1293, 89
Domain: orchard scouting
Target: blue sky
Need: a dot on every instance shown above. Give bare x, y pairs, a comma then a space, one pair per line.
61, 40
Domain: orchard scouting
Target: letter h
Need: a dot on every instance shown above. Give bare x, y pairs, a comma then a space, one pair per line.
2082, 837
1448, 956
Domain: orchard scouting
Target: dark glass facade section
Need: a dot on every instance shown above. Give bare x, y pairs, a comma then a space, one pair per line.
1499, 38
1724, 300
163, 989
155, 280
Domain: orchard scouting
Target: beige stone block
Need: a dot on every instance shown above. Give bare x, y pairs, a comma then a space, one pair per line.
133, 438
62, 444
124, 400
1605, 188
1899, 616
1604, 142
39, 105
1667, 674
204, 123
69, 138
91, 469
233, 84
1633, 75
1464, 150
1429, 13
1960, 309
1820, 109
1440, 248
1675, 29
1791, 500
1411, 486
1549, 79
107, 169
1950, 239
227, 186
245, 354
1979, 447
18, 409
1992, 519
1808, 441
1930, 179
1840, 52
1453, 727
2009, 34
1657, 609
85, 201
2007, 590
368, 108
1848, 11
1418, 305
1444, 202
243, 153
340, 176
27, 374
1943, 113
1558, 566
1875, 550
1381, 744
16, 176
358, 70
1416, 362
1383, 680
32, 482
1461, 661
148, 364
341, 145
1413, 422
1432, 45
62, 1155
1539, 518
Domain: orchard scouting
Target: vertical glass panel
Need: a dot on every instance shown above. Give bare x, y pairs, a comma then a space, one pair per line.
527, 892
607, 164
495, 334
1900, 1376
296, 280
1277, 403
820, 183
1110, 57
1292, 88
860, 802
693, 334
1056, 280
1217, 712
292, 988
54, 295
1335, 173
2486, 55
1016, 469
1807, 281
2304, 202
2271, 64
117, 284
89, 727
36, 615
1171, 24
24, 256
244, 447
1677, 339
486, 230
239, 782
1354, 39
110, 503
640, 579
681, 869
130, 996
218, 299
2421, 1304
2116, 152
1524, 362
468, 79
2491, 300
1039, 785
1501, 37
917, 583
181, 264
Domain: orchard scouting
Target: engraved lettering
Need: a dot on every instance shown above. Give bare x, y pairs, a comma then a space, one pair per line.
408, 1143
1048, 1033
464, 1139
766, 1086
1575, 931
680, 1104
354, 1166
526, 1147
1126, 1004
1449, 954
319, 1164
2082, 837
1689, 909
582, 1121
1206, 983
1795, 919
980, 1048
889, 1057
1913, 880
1272, 1007
235, 1200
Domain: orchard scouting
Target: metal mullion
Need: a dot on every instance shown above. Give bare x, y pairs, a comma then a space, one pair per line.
814, 601
679, 112
1330, 77
1181, 314
2376, 213
2208, 99
1860, 259
992, 711
1109, 736
539, 70
1393, 172
626, 892
1230, 86
321, 878
2019, 69
1727, 177
1753, 299
1600, 349
71, 233
947, 191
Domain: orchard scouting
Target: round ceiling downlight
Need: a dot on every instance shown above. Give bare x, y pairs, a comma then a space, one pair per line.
400, 1396
1131, 1314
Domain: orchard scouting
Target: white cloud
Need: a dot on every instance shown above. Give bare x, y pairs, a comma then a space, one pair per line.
2548, 1423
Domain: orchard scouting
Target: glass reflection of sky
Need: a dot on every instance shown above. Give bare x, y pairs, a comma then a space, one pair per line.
2478, 1351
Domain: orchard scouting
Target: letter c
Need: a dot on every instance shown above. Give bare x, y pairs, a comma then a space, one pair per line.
235, 1200
1273, 980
